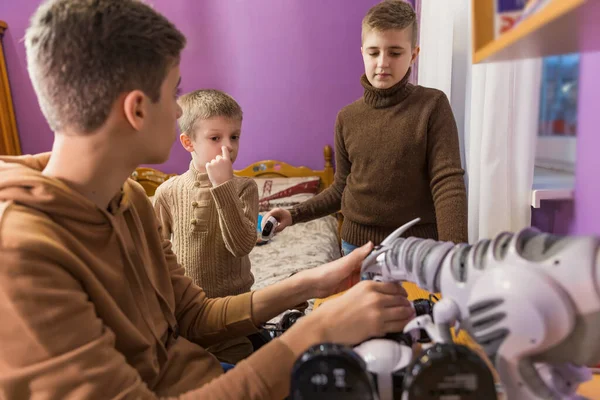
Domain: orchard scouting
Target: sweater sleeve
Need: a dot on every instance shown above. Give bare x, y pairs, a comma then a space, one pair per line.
263, 375
163, 212
83, 363
329, 200
238, 215
446, 174
202, 320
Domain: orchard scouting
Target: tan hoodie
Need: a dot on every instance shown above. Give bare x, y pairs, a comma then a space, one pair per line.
93, 304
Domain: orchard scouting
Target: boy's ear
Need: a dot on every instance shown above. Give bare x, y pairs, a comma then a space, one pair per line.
134, 107
415, 53
186, 142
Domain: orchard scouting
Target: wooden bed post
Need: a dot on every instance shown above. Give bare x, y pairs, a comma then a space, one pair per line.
329, 173
9, 138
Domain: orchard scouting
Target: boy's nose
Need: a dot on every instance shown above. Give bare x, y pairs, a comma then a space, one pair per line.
382, 61
228, 146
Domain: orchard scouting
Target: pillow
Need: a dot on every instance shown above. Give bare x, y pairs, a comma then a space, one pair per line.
285, 192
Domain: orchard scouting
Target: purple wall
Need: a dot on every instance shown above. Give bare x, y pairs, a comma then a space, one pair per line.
290, 64
587, 182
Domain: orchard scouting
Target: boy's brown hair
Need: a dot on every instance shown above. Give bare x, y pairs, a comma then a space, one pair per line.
82, 54
204, 104
391, 14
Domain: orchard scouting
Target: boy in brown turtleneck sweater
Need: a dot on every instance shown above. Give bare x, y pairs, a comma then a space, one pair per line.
396, 148
208, 213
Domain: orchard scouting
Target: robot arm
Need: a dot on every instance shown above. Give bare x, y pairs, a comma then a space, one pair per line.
531, 300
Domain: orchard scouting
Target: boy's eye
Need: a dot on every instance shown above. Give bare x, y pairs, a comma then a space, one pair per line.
373, 54
396, 54
235, 137
214, 139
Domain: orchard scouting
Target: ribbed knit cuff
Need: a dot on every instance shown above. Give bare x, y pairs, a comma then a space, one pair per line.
298, 214
358, 234
225, 194
294, 213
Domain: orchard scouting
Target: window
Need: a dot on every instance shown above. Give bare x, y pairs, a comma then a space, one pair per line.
556, 146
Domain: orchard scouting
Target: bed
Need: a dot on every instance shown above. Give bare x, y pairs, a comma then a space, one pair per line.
300, 246
280, 184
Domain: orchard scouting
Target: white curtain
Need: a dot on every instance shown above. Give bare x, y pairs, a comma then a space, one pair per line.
436, 39
445, 60
497, 109
500, 142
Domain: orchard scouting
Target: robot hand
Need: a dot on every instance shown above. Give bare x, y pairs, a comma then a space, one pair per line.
395, 259
374, 265
531, 300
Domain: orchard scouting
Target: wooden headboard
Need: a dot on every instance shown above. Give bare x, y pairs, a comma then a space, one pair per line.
273, 169
151, 178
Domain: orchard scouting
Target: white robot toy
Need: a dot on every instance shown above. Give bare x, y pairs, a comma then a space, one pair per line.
530, 299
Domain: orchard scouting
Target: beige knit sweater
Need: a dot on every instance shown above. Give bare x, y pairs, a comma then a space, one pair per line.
213, 229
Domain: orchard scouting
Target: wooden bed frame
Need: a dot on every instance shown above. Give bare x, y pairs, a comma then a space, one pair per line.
274, 169
151, 178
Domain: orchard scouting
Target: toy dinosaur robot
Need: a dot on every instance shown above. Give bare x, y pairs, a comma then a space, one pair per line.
530, 299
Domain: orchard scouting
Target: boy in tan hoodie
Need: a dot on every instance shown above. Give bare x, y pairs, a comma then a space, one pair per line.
93, 303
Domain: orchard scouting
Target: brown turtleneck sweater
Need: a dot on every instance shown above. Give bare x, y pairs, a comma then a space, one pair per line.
397, 158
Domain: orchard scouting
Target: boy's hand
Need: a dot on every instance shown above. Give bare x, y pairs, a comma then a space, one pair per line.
220, 170
369, 309
338, 275
283, 217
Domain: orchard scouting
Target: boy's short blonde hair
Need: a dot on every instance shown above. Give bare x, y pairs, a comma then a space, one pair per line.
204, 104
391, 14
82, 54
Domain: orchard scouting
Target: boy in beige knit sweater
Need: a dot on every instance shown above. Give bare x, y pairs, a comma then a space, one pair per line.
209, 214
